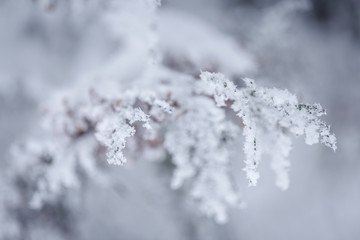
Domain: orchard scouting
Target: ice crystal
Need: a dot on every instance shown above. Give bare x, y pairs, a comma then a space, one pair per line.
269, 116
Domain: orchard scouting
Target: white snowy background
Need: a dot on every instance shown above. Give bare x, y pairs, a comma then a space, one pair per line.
51, 48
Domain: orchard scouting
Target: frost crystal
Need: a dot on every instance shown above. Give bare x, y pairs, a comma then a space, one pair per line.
198, 143
113, 131
191, 121
269, 116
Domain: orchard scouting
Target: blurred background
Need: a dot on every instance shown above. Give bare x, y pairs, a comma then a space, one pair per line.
309, 47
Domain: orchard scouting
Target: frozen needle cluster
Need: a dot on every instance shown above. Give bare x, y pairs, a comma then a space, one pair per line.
145, 95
